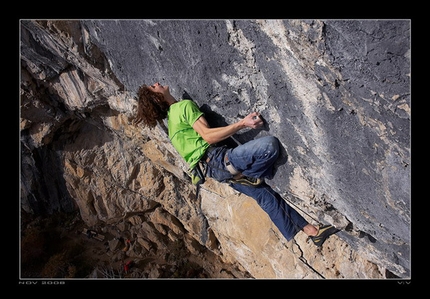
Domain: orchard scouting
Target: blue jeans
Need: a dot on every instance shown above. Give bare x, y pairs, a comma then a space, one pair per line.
255, 159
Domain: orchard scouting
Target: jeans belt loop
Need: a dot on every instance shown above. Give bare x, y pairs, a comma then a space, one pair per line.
228, 165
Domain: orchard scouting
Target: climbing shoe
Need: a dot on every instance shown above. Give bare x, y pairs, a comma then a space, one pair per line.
248, 181
323, 233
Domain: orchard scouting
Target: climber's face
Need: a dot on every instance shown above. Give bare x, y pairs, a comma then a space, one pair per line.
157, 87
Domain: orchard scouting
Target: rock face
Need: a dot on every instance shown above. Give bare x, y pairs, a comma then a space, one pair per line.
336, 94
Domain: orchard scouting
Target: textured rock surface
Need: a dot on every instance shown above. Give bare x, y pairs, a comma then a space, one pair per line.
336, 93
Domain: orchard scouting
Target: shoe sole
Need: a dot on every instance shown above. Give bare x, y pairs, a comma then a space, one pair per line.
327, 232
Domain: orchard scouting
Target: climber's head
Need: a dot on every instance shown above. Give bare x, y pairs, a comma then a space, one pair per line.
152, 104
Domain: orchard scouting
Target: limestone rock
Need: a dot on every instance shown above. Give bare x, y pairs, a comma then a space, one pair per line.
336, 93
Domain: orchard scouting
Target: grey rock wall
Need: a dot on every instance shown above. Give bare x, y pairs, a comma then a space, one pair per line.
336, 93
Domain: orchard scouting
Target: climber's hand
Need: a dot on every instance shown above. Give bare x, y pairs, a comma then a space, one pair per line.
253, 120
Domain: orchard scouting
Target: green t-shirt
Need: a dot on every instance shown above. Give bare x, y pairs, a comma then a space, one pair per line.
189, 144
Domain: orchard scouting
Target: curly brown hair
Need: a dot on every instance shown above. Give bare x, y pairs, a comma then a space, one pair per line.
151, 107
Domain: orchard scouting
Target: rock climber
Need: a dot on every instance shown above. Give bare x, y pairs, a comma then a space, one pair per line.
244, 167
